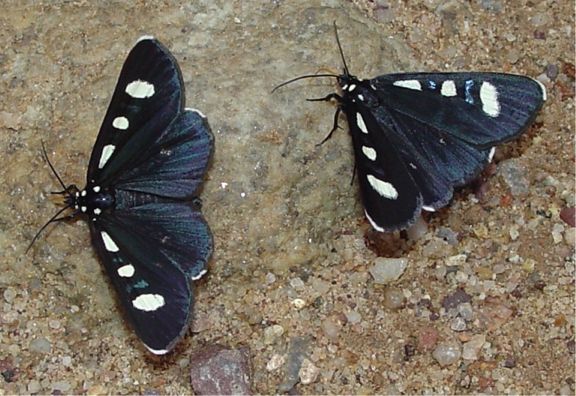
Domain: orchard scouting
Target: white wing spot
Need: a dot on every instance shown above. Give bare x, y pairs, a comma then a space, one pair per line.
157, 351
97, 211
352, 87
200, 275
448, 88
145, 37
361, 97
83, 193
428, 209
376, 226
148, 302
410, 84
96, 189
108, 242
369, 152
543, 87
489, 99
360, 122
126, 271
83, 208
140, 89
383, 188
106, 154
195, 111
121, 123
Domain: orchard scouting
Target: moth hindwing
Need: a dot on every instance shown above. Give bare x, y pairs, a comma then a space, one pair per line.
146, 166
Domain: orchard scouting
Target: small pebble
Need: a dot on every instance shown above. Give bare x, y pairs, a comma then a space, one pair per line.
552, 71
34, 387
427, 339
272, 333
298, 303
393, 299
458, 324
557, 231
40, 345
54, 324
353, 317
61, 386
331, 329
270, 278
568, 215
453, 300
9, 294
514, 174
297, 283
465, 310
447, 353
386, 270
308, 372
275, 362
471, 348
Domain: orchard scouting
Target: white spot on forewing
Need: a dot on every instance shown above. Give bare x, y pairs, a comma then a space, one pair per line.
543, 87
126, 271
83, 208
360, 122
108, 242
106, 154
376, 226
369, 152
489, 99
428, 209
352, 87
96, 189
361, 97
383, 188
148, 302
410, 84
448, 88
140, 89
97, 211
195, 111
121, 123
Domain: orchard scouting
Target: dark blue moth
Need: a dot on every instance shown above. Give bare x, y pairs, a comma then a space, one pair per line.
145, 169
417, 136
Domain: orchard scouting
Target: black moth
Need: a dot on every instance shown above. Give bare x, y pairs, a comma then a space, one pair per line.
145, 169
417, 136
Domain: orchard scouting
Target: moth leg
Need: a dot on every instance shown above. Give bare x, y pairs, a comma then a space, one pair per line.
334, 127
327, 98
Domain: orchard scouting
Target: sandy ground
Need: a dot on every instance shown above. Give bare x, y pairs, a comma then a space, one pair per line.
490, 283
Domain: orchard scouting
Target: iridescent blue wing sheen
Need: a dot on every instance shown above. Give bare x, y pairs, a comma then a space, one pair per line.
174, 164
151, 253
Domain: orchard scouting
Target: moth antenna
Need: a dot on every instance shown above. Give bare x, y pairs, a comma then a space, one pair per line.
340, 49
52, 220
52, 167
301, 78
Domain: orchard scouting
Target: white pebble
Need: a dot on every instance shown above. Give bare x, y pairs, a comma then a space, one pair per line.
275, 362
308, 372
447, 353
387, 270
